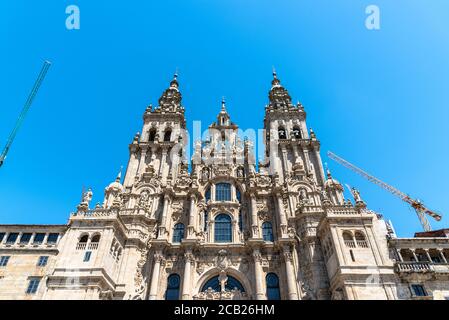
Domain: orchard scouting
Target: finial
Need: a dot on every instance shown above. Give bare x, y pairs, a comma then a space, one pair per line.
223, 103
175, 76
328, 172
274, 73
119, 175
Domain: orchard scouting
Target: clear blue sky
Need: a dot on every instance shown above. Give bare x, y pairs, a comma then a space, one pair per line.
377, 98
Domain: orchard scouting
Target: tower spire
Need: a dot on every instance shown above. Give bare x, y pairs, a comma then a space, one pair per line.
278, 95
170, 101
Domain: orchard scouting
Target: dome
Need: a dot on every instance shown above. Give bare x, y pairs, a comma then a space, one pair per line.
116, 185
331, 182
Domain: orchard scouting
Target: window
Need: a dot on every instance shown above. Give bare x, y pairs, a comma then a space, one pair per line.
152, 135
25, 238
167, 136
231, 284
223, 228
282, 134
296, 132
418, 290
2, 235
87, 255
173, 283
238, 195
348, 239
42, 261
223, 192
267, 231
178, 233
39, 238
82, 242
93, 245
53, 238
273, 292
33, 285
12, 237
4, 261
207, 195
360, 239
352, 255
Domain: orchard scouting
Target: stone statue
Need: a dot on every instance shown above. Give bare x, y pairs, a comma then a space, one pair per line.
87, 196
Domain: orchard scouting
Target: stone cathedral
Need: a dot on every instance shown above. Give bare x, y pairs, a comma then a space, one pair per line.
223, 228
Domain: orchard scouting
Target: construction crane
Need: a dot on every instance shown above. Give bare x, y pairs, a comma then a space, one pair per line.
25, 109
419, 207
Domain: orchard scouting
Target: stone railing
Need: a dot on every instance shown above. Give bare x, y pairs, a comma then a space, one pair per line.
81, 245
349, 243
95, 213
93, 246
346, 211
362, 243
414, 267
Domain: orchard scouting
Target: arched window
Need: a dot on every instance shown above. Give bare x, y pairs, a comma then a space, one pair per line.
173, 284
82, 242
360, 239
267, 231
222, 192
95, 238
231, 284
152, 135
207, 195
348, 239
296, 132
178, 233
167, 135
273, 292
282, 133
223, 228
93, 245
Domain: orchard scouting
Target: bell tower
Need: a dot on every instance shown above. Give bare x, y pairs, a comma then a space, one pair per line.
159, 149
290, 146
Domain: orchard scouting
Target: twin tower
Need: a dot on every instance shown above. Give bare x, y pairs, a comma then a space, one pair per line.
226, 228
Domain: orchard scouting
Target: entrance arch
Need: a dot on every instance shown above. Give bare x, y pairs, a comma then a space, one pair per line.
231, 273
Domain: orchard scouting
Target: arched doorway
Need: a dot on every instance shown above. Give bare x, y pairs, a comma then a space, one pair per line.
230, 284
222, 287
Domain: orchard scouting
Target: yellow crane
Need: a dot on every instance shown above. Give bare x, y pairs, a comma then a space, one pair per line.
419, 207
25, 109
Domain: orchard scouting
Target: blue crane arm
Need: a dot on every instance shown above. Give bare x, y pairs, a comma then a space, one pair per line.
24, 112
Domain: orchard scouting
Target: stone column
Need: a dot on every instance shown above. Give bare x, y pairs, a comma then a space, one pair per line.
428, 255
289, 270
143, 155
440, 251
186, 285
283, 219
155, 276
398, 253
254, 222
306, 160
260, 295
162, 164
131, 170
162, 226
320, 164
414, 255
191, 226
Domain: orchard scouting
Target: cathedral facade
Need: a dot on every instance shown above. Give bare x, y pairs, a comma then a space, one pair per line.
223, 229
